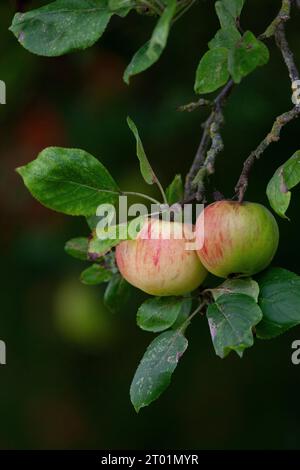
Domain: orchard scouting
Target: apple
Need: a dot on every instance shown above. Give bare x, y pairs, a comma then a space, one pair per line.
158, 261
81, 318
238, 238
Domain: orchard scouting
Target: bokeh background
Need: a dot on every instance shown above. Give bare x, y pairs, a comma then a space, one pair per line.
70, 361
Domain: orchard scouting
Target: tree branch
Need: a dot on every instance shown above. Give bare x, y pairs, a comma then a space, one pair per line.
281, 120
286, 52
211, 141
194, 105
282, 17
204, 160
273, 136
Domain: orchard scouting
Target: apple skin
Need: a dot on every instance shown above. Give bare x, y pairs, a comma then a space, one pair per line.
239, 238
161, 266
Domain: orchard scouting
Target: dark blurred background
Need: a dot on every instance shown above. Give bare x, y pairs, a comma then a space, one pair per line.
70, 361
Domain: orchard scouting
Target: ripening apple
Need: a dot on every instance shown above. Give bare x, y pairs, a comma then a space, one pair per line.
238, 238
158, 261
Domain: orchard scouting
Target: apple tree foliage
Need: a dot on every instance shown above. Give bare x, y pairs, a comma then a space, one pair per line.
74, 182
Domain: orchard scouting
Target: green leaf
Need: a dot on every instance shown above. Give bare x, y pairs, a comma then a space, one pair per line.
212, 71
121, 7
115, 232
174, 191
77, 247
146, 170
117, 293
160, 34
278, 194
279, 301
139, 62
159, 313
150, 52
62, 26
183, 314
225, 16
234, 7
225, 38
69, 180
93, 220
231, 319
154, 372
237, 286
246, 56
291, 170
285, 177
105, 238
95, 274
228, 11
98, 248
